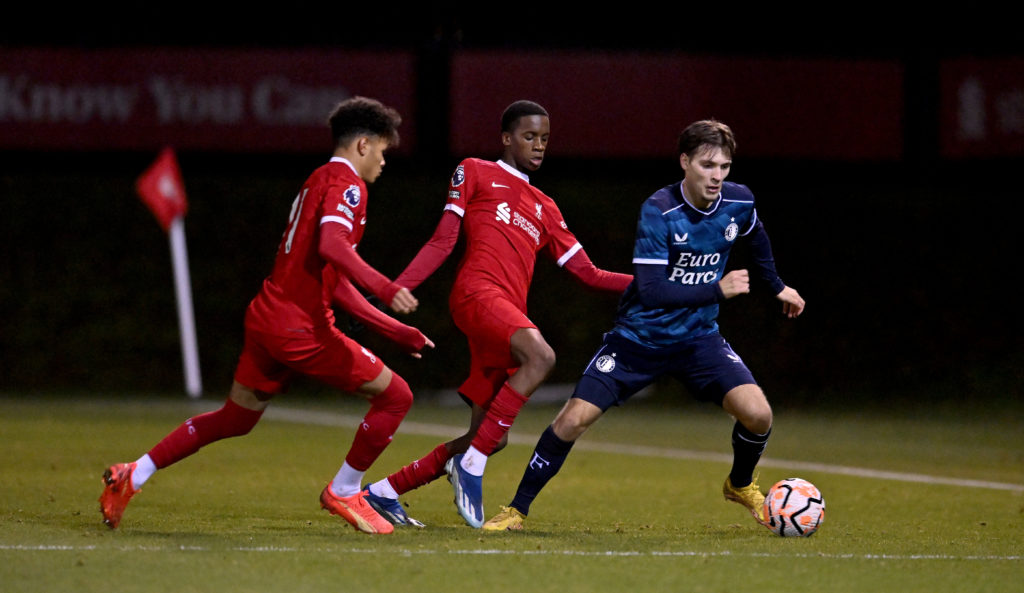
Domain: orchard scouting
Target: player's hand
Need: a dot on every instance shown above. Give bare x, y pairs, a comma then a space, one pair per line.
404, 302
429, 344
734, 283
792, 302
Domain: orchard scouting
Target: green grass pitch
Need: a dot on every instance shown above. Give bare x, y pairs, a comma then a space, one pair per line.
915, 502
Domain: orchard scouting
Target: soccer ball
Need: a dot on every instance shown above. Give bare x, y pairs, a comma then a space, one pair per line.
794, 507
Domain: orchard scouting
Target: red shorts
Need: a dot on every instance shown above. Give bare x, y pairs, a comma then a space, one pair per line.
268, 362
488, 323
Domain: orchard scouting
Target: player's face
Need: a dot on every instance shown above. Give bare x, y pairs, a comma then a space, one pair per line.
373, 160
705, 172
525, 145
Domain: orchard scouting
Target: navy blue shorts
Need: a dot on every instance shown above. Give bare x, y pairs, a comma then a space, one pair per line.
706, 366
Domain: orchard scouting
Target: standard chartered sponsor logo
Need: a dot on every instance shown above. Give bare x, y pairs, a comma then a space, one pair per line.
527, 226
504, 213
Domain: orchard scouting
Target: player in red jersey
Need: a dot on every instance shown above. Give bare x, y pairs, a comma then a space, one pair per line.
289, 325
507, 222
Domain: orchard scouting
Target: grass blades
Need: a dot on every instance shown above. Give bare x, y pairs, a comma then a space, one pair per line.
638, 505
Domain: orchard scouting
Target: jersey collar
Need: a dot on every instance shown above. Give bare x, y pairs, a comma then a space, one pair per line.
341, 159
710, 210
514, 171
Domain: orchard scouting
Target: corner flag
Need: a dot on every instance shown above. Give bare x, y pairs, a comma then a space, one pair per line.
161, 188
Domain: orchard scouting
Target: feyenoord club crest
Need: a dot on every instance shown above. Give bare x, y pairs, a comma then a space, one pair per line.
606, 363
731, 231
352, 196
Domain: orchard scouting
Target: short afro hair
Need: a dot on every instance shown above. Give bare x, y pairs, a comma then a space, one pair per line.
359, 116
518, 110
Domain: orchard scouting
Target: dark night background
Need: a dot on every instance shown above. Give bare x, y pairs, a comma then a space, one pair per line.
909, 269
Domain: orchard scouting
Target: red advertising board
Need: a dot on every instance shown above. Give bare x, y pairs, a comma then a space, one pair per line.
982, 108
634, 105
240, 100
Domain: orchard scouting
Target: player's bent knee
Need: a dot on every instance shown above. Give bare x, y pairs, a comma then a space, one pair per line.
758, 419
379, 384
748, 404
231, 420
568, 430
248, 397
547, 358
575, 418
533, 351
396, 397
543, 352
541, 359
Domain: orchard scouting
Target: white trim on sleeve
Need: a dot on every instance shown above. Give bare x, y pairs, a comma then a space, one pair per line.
644, 260
456, 210
568, 254
340, 219
753, 223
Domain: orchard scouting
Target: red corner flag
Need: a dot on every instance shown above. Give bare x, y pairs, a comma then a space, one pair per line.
162, 189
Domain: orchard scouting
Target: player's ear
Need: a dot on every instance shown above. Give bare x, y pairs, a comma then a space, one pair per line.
506, 138
363, 145
684, 161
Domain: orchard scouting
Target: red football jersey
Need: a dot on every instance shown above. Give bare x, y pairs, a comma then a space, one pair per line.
506, 221
294, 298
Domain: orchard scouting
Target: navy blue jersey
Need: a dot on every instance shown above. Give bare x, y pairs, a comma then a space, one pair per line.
693, 247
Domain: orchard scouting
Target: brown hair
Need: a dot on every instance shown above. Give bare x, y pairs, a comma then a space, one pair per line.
709, 132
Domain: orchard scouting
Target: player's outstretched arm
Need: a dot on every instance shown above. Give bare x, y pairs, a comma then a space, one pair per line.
580, 266
404, 302
335, 248
762, 258
433, 253
427, 344
734, 283
656, 291
409, 338
792, 302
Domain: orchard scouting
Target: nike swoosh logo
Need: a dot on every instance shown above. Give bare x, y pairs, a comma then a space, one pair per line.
493, 184
504, 424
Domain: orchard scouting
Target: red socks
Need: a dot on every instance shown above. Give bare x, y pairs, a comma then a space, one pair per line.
231, 420
387, 409
420, 472
499, 419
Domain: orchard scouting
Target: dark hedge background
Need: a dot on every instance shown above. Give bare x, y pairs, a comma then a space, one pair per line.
910, 283
910, 269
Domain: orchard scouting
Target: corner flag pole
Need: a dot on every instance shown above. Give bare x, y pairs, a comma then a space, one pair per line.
186, 318
161, 188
